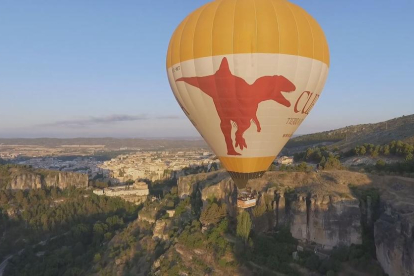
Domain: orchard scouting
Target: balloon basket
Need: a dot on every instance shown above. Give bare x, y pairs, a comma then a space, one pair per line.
246, 198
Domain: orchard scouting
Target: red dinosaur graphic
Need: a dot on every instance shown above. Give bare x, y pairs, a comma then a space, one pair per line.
237, 101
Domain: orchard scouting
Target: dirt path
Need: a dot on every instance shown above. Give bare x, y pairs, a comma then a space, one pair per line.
4, 264
44, 242
266, 269
398, 197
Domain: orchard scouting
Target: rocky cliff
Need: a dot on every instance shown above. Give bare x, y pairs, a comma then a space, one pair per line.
24, 179
321, 208
317, 207
394, 230
327, 220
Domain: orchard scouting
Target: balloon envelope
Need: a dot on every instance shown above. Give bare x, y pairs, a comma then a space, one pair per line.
247, 73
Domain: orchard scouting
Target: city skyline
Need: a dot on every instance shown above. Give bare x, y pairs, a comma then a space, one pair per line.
97, 70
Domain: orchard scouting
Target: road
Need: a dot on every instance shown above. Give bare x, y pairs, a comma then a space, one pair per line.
44, 242
4, 264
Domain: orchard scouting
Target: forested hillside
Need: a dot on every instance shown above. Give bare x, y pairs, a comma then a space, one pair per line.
401, 128
66, 228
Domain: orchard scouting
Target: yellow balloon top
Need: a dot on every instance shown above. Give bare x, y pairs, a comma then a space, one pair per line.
225, 27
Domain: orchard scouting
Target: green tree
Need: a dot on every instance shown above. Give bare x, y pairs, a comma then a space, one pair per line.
114, 222
259, 210
121, 173
386, 150
330, 273
312, 262
332, 163
323, 162
244, 225
129, 182
213, 214
54, 192
302, 167
380, 164
3, 198
97, 258
101, 185
362, 150
19, 196
375, 153
99, 229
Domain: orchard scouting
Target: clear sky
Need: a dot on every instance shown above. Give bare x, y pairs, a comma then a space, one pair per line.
97, 68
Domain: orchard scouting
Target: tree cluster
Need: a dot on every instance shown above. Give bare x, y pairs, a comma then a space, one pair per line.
244, 225
405, 168
273, 252
315, 138
77, 219
302, 167
213, 214
394, 148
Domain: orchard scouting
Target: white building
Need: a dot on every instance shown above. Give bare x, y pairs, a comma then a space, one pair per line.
284, 160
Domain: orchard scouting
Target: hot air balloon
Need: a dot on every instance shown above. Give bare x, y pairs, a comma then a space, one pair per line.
247, 73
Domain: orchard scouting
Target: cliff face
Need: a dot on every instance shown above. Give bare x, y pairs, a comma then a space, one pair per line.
326, 216
394, 230
25, 182
321, 208
66, 179
394, 243
326, 220
37, 180
209, 185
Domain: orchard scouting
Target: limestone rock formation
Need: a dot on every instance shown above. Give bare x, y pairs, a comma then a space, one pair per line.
395, 244
65, 180
161, 229
26, 182
324, 212
187, 185
40, 179
321, 208
394, 230
210, 185
327, 220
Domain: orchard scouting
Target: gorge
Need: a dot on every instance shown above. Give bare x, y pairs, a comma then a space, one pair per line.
328, 209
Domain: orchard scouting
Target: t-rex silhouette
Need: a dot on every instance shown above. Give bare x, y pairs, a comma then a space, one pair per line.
236, 100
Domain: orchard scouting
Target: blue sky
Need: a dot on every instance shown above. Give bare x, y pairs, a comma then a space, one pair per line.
97, 68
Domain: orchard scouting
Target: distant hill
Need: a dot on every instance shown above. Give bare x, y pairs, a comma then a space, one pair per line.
111, 143
401, 128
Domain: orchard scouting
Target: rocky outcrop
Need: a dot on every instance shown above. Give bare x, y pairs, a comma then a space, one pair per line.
216, 185
187, 185
323, 216
326, 220
65, 180
26, 181
394, 230
321, 208
395, 244
34, 180
161, 229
